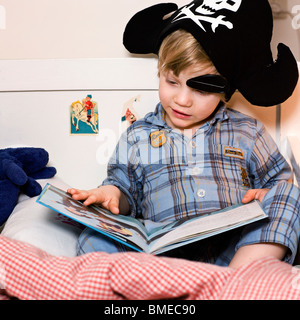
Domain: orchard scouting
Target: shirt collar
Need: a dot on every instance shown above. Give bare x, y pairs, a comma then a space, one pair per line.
157, 117
220, 114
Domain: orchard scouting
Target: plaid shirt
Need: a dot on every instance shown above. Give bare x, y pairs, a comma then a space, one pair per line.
166, 175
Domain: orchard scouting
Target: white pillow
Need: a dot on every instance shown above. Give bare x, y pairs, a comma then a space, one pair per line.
42, 227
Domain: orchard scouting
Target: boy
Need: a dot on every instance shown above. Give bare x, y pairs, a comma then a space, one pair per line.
192, 155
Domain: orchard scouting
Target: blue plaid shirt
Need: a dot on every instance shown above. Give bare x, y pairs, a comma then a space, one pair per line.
166, 175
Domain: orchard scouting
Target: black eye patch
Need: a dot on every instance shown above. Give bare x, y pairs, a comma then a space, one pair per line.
209, 83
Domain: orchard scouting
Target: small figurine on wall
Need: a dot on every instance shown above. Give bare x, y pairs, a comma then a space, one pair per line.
129, 115
84, 116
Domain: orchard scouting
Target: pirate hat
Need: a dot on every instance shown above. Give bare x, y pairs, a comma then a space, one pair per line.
236, 35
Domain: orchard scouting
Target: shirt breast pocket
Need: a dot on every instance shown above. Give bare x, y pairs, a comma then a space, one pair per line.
229, 167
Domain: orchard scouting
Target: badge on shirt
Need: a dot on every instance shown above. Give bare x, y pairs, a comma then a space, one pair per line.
233, 152
158, 138
245, 179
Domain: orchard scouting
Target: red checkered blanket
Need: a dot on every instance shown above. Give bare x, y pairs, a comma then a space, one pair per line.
30, 273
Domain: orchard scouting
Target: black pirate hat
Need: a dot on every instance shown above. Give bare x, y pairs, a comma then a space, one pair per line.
236, 35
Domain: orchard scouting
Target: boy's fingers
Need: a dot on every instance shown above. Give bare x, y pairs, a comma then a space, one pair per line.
249, 196
89, 200
260, 195
99, 197
80, 195
113, 206
72, 191
254, 194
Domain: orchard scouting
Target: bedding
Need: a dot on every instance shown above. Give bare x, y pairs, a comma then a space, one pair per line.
27, 272
38, 261
42, 227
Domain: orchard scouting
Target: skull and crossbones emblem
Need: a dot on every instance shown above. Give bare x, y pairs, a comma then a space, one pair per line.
205, 11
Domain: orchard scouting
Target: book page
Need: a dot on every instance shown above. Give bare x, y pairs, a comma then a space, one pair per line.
125, 229
201, 227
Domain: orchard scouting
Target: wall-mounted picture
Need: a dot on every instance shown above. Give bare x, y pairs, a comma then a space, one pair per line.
84, 116
129, 114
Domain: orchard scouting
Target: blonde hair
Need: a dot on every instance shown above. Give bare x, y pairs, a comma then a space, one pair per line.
180, 50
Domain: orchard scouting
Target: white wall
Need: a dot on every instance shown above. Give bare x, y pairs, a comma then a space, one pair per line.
42, 29
55, 29
34, 111
284, 29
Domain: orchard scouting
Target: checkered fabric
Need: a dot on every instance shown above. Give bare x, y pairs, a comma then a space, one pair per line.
29, 273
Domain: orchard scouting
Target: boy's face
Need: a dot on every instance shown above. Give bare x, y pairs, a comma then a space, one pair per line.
185, 108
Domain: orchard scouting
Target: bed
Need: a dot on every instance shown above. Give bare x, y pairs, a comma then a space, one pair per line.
38, 103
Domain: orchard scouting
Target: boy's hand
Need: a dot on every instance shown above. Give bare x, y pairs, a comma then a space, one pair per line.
108, 197
254, 194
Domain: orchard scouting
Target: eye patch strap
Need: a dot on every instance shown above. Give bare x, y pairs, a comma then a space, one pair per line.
209, 83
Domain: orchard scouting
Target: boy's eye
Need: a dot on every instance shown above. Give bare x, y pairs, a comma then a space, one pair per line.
201, 92
171, 81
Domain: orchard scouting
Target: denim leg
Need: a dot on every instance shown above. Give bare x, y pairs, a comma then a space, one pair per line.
92, 241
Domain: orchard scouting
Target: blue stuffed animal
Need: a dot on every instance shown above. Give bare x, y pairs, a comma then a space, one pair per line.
19, 169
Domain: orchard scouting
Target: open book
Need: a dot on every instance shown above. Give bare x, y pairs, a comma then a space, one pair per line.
146, 235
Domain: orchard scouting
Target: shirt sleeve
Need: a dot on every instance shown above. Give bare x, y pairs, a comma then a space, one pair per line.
267, 165
121, 171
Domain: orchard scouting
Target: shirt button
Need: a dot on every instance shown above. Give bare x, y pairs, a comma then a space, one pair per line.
201, 193
193, 144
